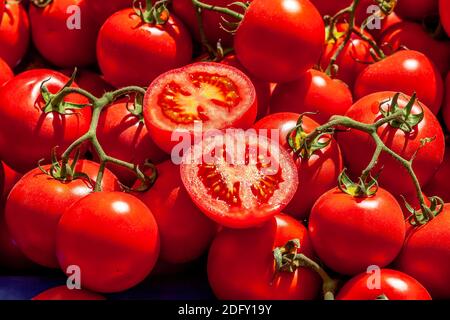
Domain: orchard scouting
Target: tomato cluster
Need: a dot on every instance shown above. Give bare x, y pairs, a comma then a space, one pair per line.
286, 140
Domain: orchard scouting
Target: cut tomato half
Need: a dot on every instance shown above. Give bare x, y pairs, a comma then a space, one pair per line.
239, 179
214, 94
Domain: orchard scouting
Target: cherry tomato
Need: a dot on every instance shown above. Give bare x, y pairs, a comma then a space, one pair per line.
64, 293
36, 204
241, 265
417, 9
351, 233
279, 40
446, 105
116, 256
6, 73
444, 12
214, 94
436, 186
393, 285
185, 231
317, 174
407, 72
90, 81
14, 33
311, 93
426, 255
148, 51
239, 179
27, 133
358, 147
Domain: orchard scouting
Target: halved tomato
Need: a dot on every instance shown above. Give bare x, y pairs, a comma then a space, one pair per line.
239, 179
217, 95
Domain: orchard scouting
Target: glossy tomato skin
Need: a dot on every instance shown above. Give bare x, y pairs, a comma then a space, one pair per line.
14, 33
125, 137
436, 186
446, 106
279, 40
395, 285
185, 231
64, 293
10, 178
358, 147
29, 136
426, 254
37, 202
116, 256
148, 52
444, 13
90, 81
313, 92
6, 73
316, 175
241, 264
350, 234
417, 9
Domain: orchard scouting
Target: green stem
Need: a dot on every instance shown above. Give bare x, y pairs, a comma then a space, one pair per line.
371, 42
223, 10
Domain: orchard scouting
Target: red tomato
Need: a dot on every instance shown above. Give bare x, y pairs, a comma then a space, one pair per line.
444, 12
214, 94
330, 8
407, 72
417, 9
413, 36
391, 20
65, 32
102, 10
394, 285
317, 174
185, 231
90, 81
437, 185
426, 255
239, 179
446, 105
6, 73
64, 293
14, 34
36, 204
125, 137
241, 265
148, 51
2, 9
34, 132
350, 233
311, 93
10, 178
358, 147
280, 52
116, 256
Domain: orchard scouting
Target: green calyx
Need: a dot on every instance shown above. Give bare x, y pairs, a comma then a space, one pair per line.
286, 257
407, 120
386, 6
137, 107
153, 14
363, 188
41, 3
425, 214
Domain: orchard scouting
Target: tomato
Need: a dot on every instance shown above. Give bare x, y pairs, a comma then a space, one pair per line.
426, 255
406, 72
36, 204
446, 105
394, 285
14, 34
311, 93
358, 147
64, 293
124, 136
239, 179
185, 231
2, 9
90, 81
8, 180
216, 95
317, 174
241, 265
279, 40
417, 9
435, 187
102, 10
351, 233
413, 36
352, 60
388, 22
444, 12
65, 32
27, 134
148, 51
6, 73
330, 8
116, 256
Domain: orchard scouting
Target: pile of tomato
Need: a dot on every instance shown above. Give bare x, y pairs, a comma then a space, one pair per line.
104, 175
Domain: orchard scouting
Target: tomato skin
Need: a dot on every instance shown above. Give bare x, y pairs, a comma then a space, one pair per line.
446, 106
311, 93
14, 34
290, 48
37, 202
358, 147
90, 81
330, 8
416, 9
8, 180
444, 12
426, 255
185, 231
6, 73
434, 187
241, 264
394, 285
148, 52
350, 234
64, 293
316, 175
117, 256
35, 133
